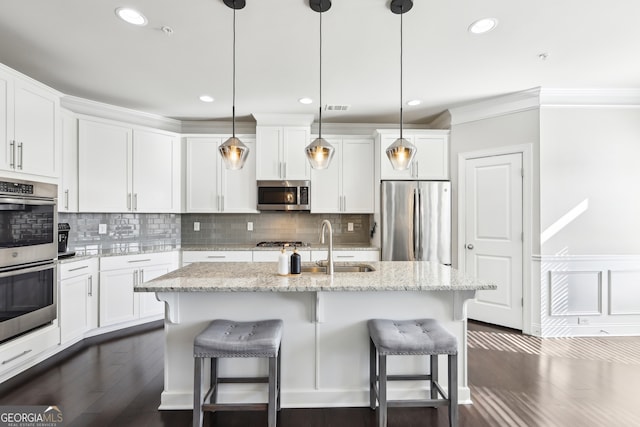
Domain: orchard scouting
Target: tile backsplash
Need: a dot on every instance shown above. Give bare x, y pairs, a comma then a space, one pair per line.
221, 229
126, 232
136, 232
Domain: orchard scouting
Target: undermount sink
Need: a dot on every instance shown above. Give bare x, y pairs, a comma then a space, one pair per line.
361, 268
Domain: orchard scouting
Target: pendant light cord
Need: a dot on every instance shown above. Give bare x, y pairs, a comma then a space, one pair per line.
320, 107
401, 13
233, 107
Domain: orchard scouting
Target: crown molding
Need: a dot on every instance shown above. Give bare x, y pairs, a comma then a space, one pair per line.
496, 106
216, 127
112, 112
283, 119
590, 97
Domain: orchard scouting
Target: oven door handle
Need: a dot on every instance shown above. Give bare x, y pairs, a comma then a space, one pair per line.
30, 201
31, 268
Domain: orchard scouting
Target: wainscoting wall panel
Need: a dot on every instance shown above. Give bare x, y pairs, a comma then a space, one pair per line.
589, 295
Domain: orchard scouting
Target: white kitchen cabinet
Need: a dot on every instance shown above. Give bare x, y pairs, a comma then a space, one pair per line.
347, 185
29, 115
78, 298
125, 170
118, 276
21, 353
68, 187
432, 158
210, 186
280, 152
189, 257
340, 255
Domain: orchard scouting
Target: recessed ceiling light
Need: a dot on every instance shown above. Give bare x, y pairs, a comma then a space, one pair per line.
131, 16
414, 102
483, 25
305, 101
206, 98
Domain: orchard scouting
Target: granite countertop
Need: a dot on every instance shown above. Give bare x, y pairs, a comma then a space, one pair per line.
262, 277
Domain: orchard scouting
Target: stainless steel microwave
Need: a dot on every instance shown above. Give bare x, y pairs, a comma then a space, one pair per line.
284, 195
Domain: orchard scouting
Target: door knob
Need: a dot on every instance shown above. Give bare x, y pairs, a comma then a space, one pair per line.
469, 246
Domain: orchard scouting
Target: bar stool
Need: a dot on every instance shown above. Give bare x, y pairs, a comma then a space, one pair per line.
411, 337
230, 339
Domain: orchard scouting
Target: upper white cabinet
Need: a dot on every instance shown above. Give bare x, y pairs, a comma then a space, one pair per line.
29, 116
431, 160
213, 188
347, 185
125, 170
281, 152
68, 186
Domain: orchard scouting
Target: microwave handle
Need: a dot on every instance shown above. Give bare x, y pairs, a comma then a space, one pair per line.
30, 201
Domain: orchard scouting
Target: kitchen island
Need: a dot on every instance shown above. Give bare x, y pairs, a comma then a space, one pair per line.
325, 346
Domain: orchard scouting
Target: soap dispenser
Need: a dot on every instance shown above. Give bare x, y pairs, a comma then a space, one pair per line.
283, 262
295, 262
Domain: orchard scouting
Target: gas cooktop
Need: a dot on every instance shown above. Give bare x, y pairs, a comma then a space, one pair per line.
281, 244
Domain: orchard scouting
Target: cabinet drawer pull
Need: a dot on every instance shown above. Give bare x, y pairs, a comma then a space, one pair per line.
4, 362
345, 256
217, 256
79, 268
139, 260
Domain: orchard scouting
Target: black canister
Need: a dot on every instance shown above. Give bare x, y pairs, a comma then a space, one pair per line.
63, 236
295, 262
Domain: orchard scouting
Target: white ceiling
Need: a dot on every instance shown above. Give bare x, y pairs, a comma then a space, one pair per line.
81, 48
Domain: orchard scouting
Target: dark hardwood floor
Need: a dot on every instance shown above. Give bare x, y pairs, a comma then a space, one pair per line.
515, 380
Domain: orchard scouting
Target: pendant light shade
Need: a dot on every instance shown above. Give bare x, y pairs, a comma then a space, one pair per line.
234, 153
320, 152
401, 152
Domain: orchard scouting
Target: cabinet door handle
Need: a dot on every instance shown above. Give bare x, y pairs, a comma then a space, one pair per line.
128, 201
12, 154
417, 168
142, 275
280, 169
135, 201
11, 359
90, 280
66, 199
135, 277
284, 175
20, 152
222, 199
344, 203
79, 268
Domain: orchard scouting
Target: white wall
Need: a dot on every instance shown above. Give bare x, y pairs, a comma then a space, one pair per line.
590, 180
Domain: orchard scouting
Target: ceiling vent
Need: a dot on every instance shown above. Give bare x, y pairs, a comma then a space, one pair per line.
336, 107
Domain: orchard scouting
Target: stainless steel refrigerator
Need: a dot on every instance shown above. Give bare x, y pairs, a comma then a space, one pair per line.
416, 221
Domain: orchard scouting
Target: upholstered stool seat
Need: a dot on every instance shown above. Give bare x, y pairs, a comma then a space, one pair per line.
412, 337
231, 339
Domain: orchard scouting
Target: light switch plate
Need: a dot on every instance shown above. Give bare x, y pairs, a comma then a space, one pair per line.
349, 226
102, 228
196, 226
249, 226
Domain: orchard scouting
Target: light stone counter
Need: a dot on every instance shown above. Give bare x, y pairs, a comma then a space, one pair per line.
262, 277
325, 342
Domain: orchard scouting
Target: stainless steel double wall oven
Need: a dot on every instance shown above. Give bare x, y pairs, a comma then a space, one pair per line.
28, 249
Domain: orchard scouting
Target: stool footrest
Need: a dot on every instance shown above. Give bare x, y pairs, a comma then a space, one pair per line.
428, 403
213, 407
408, 377
242, 380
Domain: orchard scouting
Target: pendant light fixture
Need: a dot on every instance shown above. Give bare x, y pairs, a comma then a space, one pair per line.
320, 152
234, 153
401, 152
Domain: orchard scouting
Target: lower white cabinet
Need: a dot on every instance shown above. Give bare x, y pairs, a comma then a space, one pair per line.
78, 298
118, 276
346, 255
20, 353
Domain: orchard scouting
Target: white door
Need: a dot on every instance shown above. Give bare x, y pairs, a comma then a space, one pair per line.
357, 176
493, 245
203, 163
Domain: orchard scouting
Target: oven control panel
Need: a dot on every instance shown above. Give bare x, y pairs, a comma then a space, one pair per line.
15, 188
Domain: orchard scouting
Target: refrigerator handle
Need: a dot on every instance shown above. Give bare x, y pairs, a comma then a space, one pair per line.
420, 230
416, 223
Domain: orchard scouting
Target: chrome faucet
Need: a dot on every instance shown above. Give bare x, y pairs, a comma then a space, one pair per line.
326, 224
